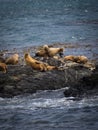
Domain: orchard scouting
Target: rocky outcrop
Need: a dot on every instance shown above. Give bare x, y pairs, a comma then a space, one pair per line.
86, 86
22, 79
76, 78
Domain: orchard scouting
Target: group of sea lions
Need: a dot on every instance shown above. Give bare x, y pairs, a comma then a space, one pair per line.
45, 52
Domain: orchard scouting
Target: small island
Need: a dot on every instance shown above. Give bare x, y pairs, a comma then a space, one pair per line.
77, 79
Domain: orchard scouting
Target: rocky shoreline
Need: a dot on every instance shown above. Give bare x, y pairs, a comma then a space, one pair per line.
76, 79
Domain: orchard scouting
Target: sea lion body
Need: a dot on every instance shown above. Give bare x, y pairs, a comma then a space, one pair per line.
41, 53
37, 65
12, 59
69, 57
3, 67
53, 51
49, 67
77, 59
82, 59
28, 59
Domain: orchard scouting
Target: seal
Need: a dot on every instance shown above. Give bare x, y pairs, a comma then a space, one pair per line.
12, 59
3, 67
53, 51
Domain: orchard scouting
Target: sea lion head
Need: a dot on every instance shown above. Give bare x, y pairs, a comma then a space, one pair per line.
26, 55
45, 47
16, 55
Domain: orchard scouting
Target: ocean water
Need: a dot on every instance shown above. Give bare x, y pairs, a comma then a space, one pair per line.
36, 22
48, 110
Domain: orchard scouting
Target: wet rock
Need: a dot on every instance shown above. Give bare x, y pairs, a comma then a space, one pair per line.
8, 88
22, 79
86, 86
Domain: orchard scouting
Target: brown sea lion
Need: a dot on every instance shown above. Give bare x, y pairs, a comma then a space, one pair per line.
49, 67
53, 51
41, 53
81, 59
70, 58
77, 59
3, 67
37, 65
29, 59
12, 59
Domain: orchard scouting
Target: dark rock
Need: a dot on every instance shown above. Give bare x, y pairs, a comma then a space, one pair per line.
22, 79
86, 86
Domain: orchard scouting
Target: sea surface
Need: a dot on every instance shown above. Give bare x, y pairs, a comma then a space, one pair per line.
25, 23
48, 110
37, 22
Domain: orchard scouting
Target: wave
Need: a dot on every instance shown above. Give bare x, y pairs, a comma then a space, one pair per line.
46, 99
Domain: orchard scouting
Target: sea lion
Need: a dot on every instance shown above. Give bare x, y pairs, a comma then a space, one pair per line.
53, 51
37, 65
29, 59
12, 59
70, 58
41, 53
50, 67
81, 59
77, 59
3, 67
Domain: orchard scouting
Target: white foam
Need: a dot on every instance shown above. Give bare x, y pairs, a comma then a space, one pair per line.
45, 99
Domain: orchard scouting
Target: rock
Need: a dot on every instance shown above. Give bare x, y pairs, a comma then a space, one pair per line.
8, 88
86, 86
22, 79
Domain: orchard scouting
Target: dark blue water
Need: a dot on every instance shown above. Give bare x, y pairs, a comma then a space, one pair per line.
37, 22
48, 110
